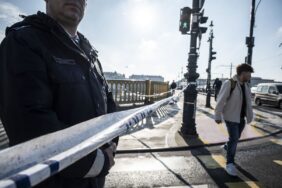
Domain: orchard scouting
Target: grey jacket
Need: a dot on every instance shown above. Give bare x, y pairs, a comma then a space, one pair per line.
229, 107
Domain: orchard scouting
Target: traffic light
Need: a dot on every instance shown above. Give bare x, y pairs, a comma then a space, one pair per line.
202, 19
212, 57
201, 4
185, 16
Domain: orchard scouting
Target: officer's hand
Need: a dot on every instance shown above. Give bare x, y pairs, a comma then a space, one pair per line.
218, 121
110, 152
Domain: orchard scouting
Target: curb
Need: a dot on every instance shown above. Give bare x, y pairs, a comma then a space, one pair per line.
185, 148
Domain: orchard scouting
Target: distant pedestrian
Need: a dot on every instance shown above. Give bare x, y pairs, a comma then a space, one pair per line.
216, 86
173, 86
234, 105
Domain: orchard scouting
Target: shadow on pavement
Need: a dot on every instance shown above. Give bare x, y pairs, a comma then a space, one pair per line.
213, 167
178, 176
268, 111
210, 115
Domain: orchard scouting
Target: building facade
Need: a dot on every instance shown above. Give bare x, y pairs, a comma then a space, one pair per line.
114, 76
146, 77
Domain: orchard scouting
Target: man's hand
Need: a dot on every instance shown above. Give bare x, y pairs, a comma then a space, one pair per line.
218, 121
110, 152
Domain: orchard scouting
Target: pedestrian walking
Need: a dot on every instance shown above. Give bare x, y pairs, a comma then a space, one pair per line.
234, 106
173, 86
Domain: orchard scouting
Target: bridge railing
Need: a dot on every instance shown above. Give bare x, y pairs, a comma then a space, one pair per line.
138, 92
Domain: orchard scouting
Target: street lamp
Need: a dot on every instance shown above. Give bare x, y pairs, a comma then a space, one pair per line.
211, 57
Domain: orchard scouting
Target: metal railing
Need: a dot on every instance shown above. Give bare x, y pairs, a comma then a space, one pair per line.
136, 92
54, 152
3, 137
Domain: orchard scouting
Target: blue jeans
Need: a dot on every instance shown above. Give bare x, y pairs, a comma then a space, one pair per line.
234, 131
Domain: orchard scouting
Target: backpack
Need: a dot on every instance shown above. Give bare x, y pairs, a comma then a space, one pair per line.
233, 85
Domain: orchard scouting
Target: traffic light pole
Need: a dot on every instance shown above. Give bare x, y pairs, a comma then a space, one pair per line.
250, 41
190, 93
208, 98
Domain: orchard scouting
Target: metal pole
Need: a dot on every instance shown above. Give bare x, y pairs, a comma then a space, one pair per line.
231, 67
190, 93
250, 41
181, 73
208, 98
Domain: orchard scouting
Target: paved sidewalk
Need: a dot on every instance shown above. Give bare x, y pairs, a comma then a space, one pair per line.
161, 130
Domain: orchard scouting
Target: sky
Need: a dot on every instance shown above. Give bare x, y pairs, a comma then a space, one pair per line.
142, 36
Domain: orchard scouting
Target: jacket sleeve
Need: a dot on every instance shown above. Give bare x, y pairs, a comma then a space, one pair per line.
28, 93
222, 98
95, 164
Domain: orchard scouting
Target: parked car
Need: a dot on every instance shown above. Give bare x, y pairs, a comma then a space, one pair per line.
201, 88
269, 93
253, 90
